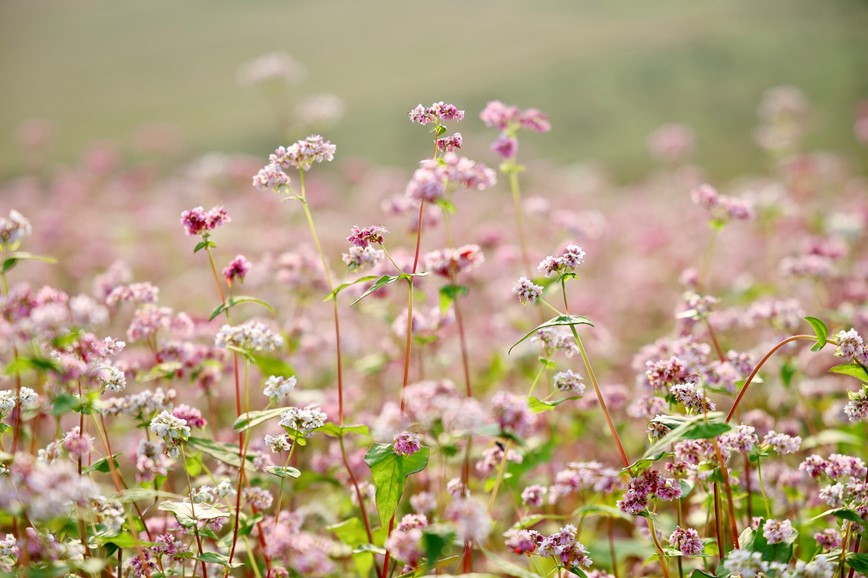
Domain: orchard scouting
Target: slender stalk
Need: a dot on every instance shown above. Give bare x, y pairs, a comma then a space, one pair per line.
759, 473
756, 369
593, 378
718, 528
519, 219
17, 411
193, 514
611, 533
844, 548
242, 448
282, 480
500, 470
714, 341
661, 556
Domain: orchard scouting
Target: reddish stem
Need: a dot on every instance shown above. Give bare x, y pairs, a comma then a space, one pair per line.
757, 368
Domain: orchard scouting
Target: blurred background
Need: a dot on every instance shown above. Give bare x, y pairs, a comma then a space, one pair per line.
174, 74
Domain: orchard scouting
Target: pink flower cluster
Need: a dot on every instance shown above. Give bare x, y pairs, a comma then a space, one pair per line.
722, 206
437, 113
197, 221
643, 487
434, 178
450, 262
509, 119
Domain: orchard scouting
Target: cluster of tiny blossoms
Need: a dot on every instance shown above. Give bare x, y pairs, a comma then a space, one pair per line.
303, 420
300, 156
570, 258
198, 221
435, 178
250, 336
508, 119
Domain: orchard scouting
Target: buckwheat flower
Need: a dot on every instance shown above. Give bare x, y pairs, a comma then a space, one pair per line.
745, 563
423, 502
523, 541
828, 539
450, 143
450, 262
857, 408
504, 146
535, 120
259, 498
438, 112
9, 547
457, 489
278, 444
13, 229
303, 420
533, 496
569, 382
302, 154
406, 541
512, 413
499, 115
238, 269
133, 293
271, 178
7, 402
197, 221
851, 346
364, 236
111, 378
669, 490
251, 336
77, 444
564, 547
271, 67
278, 388
471, 519
526, 290
191, 415
691, 396
742, 440
172, 430
150, 461
777, 531
783, 444
406, 443
28, 398
671, 142
359, 258
687, 541
705, 196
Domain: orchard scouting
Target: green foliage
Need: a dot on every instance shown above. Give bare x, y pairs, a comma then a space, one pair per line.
389, 472
238, 300
12, 259
184, 512
820, 330
539, 406
449, 293
853, 370
387, 280
557, 321
691, 428
272, 366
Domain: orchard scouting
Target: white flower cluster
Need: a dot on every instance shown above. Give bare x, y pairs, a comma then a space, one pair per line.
250, 336
303, 420
172, 430
278, 388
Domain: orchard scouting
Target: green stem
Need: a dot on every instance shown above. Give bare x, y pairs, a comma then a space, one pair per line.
759, 473
661, 556
193, 513
519, 218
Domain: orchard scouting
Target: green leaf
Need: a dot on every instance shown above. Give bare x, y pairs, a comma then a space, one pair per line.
832, 437
840, 513
338, 431
64, 403
602, 510
578, 572
216, 558
166, 370
233, 301
252, 419
560, 320
386, 280
102, 465
643, 464
226, 453
350, 532
343, 286
389, 472
701, 574
38, 364
853, 370
449, 293
435, 540
183, 512
539, 406
13, 258
273, 366
283, 472
781, 552
788, 370
506, 567
820, 330
693, 428
206, 244
858, 561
